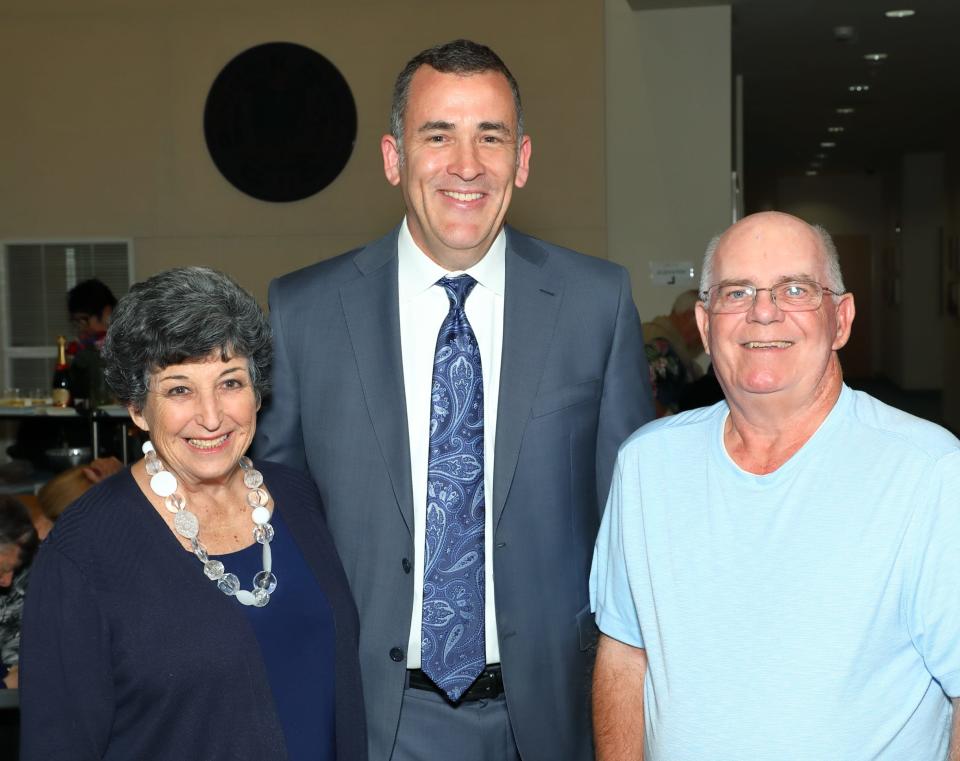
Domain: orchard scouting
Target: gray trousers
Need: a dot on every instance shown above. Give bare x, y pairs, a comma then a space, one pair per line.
433, 730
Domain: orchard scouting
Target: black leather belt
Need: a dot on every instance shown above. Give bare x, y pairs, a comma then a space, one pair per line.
489, 685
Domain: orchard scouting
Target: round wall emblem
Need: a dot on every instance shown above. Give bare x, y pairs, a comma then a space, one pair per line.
280, 122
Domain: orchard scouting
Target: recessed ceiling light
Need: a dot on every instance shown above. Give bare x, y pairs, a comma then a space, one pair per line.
811, 173
859, 88
846, 110
834, 129
821, 155
828, 144
902, 13
876, 57
815, 164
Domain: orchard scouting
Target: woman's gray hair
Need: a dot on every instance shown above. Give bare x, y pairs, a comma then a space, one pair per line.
183, 315
827, 246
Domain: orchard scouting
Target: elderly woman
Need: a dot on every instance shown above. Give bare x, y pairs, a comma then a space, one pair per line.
193, 606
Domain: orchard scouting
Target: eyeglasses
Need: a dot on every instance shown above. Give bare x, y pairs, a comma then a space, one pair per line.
792, 296
80, 320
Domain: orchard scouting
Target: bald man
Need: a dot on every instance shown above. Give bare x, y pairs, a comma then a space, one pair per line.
799, 597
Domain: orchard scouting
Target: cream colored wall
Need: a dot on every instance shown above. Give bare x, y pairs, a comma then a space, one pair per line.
102, 134
668, 140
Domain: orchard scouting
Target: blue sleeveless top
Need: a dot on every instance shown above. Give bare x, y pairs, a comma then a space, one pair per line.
295, 632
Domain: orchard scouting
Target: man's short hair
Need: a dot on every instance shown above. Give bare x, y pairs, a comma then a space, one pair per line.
90, 297
458, 57
827, 247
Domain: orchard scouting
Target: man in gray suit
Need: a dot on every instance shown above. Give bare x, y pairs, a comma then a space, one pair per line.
476, 635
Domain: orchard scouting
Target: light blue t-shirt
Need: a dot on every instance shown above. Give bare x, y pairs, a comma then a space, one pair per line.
810, 613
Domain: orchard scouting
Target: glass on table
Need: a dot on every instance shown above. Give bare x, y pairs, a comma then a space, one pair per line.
40, 397
11, 398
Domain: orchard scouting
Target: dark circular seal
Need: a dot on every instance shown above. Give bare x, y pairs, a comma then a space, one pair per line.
280, 122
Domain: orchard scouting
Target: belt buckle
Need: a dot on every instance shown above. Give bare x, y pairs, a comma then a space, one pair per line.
485, 686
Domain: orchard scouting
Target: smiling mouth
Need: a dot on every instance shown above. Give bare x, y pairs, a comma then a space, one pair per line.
457, 196
208, 443
767, 344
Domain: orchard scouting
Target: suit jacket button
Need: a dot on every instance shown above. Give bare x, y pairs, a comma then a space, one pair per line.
406, 565
396, 654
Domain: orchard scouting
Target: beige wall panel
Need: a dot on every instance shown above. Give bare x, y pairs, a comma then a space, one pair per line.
669, 140
244, 257
102, 131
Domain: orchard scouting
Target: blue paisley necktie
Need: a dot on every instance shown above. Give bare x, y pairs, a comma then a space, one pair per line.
453, 653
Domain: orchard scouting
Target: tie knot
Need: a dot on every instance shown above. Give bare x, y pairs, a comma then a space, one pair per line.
457, 288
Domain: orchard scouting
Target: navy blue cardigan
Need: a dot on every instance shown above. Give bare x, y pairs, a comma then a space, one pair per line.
129, 652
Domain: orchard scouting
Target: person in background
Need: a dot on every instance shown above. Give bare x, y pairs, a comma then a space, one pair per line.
64, 489
192, 606
672, 343
90, 304
458, 391
799, 596
26, 520
18, 542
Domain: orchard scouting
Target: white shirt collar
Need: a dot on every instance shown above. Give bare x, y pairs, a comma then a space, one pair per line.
417, 272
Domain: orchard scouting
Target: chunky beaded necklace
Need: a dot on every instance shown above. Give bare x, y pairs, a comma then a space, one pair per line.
164, 485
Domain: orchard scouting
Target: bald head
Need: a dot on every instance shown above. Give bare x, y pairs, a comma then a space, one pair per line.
757, 226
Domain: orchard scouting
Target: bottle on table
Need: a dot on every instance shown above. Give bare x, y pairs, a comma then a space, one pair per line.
61, 394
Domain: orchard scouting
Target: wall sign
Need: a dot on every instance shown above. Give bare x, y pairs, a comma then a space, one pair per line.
672, 273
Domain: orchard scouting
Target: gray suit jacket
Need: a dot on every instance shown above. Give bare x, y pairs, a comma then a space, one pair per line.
573, 385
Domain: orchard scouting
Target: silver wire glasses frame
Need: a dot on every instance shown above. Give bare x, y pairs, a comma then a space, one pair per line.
791, 296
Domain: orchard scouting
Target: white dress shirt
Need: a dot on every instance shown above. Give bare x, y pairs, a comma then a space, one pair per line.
423, 307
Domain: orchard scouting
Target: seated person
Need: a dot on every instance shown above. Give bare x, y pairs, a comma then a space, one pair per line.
24, 522
61, 490
18, 541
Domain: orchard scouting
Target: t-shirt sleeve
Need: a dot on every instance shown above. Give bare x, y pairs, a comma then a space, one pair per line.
610, 595
933, 608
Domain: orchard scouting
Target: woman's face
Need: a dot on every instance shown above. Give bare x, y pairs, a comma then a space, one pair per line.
201, 416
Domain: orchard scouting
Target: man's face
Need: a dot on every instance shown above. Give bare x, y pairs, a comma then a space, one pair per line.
91, 325
460, 162
766, 350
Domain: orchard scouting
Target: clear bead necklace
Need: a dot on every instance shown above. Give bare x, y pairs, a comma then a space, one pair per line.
164, 484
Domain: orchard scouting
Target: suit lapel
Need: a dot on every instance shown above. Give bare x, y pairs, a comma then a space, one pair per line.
532, 297
372, 312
